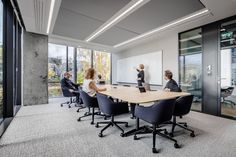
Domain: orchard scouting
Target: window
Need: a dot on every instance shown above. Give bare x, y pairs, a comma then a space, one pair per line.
56, 68
102, 64
83, 63
190, 59
71, 68
1, 61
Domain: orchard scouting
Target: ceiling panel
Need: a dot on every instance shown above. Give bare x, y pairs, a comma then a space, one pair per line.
157, 13
74, 25
113, 36
98, 9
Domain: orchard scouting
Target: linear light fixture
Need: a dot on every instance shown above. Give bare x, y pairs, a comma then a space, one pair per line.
201, 12
113, 21
50, 15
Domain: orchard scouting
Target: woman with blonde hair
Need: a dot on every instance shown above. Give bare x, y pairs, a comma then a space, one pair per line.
89, 84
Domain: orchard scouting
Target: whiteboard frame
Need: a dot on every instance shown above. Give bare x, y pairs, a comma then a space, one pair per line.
149, 84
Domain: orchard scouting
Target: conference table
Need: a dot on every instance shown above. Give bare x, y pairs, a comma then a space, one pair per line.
133, 95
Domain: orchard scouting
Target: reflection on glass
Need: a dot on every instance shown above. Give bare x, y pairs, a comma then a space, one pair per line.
56, 68
1, 61
102, 64
191, 65
83, 63
228, 82
71, 62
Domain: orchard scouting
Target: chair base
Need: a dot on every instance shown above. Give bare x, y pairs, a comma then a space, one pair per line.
111, 123
70, 102
93, 113
153, 129
182, 125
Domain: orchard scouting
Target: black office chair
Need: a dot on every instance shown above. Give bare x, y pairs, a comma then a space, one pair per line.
157, 114
67, 93
182, 107
110, 108
89, 102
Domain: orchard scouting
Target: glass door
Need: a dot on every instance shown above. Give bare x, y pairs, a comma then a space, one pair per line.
228, 68
190, 65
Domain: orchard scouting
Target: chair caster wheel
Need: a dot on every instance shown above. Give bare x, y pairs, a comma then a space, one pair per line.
171, 134
92, 123
77, 110
166, 132
192, 134
154, 150
176, 145
135, 137
96, 125
61, 105
122, 134
100, 135
69, 106
127, 125
105, 118
79, 119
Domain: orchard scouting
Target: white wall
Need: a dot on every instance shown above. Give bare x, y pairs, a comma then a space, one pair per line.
169, 45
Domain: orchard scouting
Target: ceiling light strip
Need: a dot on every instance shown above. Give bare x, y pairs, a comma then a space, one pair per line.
50, 15
202, 12
113, 21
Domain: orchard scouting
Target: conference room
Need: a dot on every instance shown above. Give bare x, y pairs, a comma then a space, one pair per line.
117, 78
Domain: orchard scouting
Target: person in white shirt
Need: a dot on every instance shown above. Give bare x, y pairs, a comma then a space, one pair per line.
89, 84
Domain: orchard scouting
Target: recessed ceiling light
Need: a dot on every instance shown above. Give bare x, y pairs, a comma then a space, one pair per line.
182, 20
95, 34
50, 15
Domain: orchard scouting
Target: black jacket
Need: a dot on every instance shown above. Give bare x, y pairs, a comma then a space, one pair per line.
173, 86
141, 76
68, 84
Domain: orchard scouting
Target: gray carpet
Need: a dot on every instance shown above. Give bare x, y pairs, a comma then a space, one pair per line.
49, 130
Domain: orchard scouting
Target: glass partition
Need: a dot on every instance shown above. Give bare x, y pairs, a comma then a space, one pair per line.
190, 65
228, 68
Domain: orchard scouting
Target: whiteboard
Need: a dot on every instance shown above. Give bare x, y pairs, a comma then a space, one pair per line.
127, 73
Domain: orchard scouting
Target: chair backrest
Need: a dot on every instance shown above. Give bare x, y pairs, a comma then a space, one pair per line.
66, 92
183, 105
162, 111
88, 101
106, 105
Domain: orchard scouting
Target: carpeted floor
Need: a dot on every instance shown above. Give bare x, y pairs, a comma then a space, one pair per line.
49, 130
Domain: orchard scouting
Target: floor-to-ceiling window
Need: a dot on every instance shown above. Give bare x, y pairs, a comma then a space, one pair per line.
83, 63
190, 65
57, 65
1, 61
102, 64
228, 68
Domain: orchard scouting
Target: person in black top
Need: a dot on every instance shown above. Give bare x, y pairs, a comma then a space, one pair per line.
66, 83
171, 84
140, 75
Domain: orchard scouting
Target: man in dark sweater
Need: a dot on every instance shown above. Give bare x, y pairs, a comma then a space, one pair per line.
171, 84
68, 85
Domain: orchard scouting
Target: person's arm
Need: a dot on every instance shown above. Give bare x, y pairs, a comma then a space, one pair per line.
64, 85
93, 86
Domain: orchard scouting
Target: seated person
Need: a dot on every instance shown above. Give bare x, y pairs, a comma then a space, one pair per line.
100, 80
171, 84
66, 83
89, 85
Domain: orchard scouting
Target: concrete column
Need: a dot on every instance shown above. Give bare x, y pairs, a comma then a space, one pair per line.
35, 69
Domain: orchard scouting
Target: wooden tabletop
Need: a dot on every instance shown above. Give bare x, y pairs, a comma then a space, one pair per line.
132, 94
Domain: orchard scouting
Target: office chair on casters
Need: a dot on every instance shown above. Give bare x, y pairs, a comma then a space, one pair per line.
110, 108
182, 107
157, 114
90, 103
67, 93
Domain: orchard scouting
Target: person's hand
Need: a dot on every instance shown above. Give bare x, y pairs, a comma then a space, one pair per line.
71, 90
167, 89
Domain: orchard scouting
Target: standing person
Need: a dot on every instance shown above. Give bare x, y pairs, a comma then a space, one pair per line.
140, 76
171, 84
89, 85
